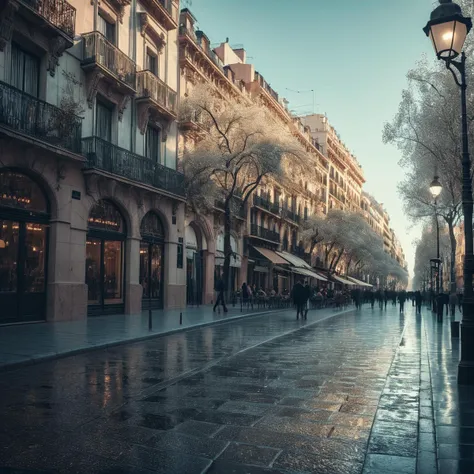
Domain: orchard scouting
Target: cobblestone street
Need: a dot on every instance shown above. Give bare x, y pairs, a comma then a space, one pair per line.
351, 393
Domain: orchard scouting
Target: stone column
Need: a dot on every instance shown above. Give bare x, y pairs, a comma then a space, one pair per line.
208, 277
66, 288
133, 290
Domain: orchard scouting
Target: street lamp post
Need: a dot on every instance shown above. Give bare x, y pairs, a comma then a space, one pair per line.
435, 190
448, 29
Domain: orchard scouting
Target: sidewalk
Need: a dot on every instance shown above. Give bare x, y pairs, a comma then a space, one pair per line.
23, 344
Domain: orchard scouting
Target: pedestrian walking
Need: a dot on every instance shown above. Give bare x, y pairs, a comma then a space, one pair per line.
245, 294
299, 295
385, 298
220, 288
372, 299
418, 300
453, 299
402, 297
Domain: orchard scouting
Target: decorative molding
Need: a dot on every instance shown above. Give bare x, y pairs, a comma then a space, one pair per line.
118, 6
146, 28
57, 46
143, 110
7, 15
92, 85
122, 106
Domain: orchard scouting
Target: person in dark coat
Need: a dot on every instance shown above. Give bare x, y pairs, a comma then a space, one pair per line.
418, 300
402, 297
220, 288
385, 298
245, 294
299, 298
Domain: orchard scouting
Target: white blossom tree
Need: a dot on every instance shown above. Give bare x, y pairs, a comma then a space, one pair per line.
241, 146
348, 236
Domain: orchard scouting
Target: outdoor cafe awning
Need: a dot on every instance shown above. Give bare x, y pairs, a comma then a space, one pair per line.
342, 280
359, 282
308, 273
271, 255
295, 261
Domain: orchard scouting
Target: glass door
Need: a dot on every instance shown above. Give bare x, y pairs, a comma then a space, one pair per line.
151, 274
22, 271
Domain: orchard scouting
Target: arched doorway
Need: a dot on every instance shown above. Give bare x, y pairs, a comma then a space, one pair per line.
195, 246
24, 217
152, 253
105, 249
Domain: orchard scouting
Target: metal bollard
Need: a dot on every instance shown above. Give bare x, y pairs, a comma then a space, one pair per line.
180, 319
150, 320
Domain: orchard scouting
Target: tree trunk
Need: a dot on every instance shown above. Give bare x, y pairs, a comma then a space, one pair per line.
227, 249
452, 239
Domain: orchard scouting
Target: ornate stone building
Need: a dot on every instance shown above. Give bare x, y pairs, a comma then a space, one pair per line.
91, 204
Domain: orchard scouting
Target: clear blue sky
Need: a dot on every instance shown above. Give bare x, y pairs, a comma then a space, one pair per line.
354, 53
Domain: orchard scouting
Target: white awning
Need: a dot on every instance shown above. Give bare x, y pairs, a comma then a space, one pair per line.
359, 282
271, 255
295, 261
308, 273
343, 280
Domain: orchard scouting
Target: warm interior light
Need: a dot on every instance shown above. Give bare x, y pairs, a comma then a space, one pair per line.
448, 36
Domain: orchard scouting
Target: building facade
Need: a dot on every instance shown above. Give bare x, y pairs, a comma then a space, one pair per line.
91, 204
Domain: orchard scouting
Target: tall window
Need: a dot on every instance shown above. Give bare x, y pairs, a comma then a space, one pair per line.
152, 63
103, 125
152, 144
24, 71
106, 28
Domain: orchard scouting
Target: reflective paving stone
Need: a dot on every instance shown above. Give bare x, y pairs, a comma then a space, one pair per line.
248, 454
394, 446
304, 462
381, 463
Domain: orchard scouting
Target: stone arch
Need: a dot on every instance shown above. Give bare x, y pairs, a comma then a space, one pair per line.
161, 215
130, 226
43, 184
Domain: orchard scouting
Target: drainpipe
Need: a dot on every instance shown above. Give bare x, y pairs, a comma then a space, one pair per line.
133, 121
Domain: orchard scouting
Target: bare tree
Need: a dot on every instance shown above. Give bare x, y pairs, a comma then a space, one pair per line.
241, 146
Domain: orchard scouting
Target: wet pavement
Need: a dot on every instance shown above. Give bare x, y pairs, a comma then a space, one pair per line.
361, 392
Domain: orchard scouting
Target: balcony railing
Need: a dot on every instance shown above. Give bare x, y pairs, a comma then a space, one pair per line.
150, 86
105, 156
265, 85
187, 31
266, 204
259, 231
33, 117
170, 8
99, 50
300, 252
57, 12
291, 215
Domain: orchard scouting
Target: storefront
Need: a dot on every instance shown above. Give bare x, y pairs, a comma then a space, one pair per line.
105, 249
152, 261
24, 218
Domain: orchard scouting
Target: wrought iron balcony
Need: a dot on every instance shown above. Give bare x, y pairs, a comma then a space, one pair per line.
105, 156
291, 215
265, 85
183, 31
58, 14
34, 118
150, 87
266, 204
164, 11
100, 53
300, 252
267, 234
